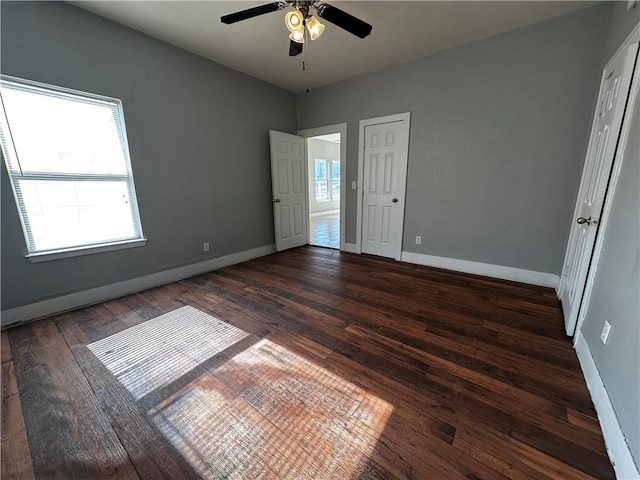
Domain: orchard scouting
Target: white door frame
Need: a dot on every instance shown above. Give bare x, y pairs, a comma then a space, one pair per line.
340, 128
634, 37
399, 117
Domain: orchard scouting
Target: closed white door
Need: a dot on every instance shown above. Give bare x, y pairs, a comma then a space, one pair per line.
288, 181
384, 184
612, 99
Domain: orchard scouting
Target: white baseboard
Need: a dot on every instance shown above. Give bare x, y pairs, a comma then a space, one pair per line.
351, 248
617, 447
115, 290
488, 270
324, 212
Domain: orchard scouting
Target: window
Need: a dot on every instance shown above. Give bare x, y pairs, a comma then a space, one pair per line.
327, 189
68, 160
335, 180
322, 190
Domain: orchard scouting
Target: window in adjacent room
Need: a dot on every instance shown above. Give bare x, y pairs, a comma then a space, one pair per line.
68, 160
327, 180
335, 180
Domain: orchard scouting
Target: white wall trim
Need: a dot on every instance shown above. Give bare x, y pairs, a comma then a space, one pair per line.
617, 447
84, 250
497, 271
351, 248
107, 292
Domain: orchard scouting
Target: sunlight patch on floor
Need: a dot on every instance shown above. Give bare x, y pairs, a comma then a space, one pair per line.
265, 412
159, 351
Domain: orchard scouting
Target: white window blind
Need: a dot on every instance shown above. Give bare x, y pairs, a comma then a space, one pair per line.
67, 156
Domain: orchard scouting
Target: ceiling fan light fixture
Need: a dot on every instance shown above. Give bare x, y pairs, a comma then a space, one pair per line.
297, 36
299, 15
294, 20
315, 27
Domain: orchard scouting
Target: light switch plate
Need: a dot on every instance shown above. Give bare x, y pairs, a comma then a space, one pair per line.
605, 332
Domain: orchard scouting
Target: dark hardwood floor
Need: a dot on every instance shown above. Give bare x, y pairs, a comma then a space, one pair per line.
307, 364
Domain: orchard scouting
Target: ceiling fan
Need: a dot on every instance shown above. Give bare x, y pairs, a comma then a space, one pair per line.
300, 17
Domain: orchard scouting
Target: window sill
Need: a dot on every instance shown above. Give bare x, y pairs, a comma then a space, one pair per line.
79, 251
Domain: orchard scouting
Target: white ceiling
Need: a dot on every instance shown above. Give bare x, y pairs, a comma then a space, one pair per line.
259, 47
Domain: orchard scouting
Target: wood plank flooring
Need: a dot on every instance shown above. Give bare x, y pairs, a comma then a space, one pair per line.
307, 364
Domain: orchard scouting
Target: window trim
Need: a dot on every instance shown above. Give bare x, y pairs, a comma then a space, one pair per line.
54, 254
86, 250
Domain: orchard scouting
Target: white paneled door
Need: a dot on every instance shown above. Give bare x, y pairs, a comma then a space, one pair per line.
288, 181
383, 185
612, 99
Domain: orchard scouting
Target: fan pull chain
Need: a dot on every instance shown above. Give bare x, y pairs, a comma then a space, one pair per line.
305, 68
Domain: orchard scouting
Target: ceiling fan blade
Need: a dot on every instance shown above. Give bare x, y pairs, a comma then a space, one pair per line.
344, 20
295, 48
250, 13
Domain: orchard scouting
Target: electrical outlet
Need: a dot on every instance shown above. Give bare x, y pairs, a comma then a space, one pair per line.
354, 185
418, 240
205, 246
605, 332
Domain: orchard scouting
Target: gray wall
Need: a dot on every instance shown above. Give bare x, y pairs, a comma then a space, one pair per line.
616, 289
499, 129
327, 151
198, 136
622, 23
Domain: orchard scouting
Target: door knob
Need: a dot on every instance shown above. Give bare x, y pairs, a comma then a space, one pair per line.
589, 221
395, 200
276, 200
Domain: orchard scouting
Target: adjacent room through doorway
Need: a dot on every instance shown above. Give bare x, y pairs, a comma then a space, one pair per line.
323, 157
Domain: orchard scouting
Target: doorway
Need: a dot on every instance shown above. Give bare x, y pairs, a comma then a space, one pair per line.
323, 157
325, 154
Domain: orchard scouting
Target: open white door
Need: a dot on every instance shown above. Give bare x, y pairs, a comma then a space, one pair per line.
288, 181
384, 170
614, 91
